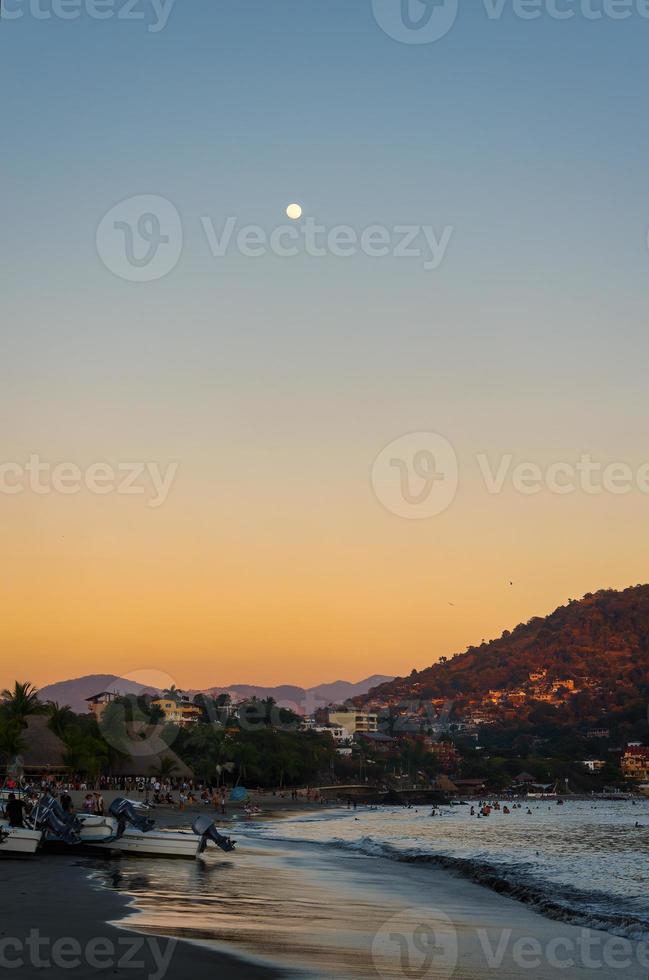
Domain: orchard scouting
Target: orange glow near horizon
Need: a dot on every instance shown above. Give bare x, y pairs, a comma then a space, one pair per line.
298, 589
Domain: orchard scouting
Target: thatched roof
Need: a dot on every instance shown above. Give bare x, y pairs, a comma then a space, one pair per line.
144, 765
43, 749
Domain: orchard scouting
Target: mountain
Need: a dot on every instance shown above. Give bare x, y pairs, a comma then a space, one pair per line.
304, 700
585, 660
74, 692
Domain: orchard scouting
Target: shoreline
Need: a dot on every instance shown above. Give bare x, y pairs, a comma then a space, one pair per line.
278, 908
372, 891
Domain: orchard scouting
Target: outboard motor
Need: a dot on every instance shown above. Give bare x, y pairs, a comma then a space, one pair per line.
126, 815
48, 814
206, 830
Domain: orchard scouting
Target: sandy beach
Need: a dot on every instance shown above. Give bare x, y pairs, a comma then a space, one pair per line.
278, 909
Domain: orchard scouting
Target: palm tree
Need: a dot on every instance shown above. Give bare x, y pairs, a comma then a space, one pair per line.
165, 769
245, 755
173, 693
222, 767
12, 742
61, 717
22, 702
85, 754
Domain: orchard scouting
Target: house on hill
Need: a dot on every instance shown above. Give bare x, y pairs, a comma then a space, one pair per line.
98, 703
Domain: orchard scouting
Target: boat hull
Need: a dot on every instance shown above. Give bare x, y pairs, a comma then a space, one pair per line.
153, 844
19, 840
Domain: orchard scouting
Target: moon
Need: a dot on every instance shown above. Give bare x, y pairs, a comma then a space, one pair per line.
294, 211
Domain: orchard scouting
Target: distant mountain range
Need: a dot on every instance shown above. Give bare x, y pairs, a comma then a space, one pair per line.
303, 700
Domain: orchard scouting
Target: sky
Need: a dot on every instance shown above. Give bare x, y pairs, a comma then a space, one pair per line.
327, 436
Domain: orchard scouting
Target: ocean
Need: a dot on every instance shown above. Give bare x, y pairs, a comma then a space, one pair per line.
585, 862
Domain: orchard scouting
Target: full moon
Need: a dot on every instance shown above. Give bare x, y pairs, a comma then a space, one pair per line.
294, 211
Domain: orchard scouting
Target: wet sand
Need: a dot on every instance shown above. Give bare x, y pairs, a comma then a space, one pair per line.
51, 898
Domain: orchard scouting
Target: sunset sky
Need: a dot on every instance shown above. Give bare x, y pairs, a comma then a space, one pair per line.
274, 382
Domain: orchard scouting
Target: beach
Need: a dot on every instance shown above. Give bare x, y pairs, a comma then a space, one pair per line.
278, 907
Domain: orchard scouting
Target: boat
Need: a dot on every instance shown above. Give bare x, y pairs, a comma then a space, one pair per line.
124, 830
18, 840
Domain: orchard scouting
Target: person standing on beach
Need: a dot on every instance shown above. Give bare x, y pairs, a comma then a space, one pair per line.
14, 810
223, 802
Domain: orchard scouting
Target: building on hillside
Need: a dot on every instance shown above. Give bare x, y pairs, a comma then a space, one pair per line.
338, 733
98, 703
593, 765
598, 733
354, 721
635, 762
178, 712
382, 743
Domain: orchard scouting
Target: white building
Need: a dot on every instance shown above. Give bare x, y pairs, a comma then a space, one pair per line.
336, 731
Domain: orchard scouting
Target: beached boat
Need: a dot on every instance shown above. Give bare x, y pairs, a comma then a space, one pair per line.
125, 829
18, 840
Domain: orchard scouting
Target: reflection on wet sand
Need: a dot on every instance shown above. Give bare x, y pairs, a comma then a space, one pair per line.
265, 902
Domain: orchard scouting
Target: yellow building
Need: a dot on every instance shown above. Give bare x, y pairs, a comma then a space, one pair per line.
635, 763
178, 712
354, 721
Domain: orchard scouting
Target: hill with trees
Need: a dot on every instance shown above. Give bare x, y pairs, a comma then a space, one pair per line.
586, 661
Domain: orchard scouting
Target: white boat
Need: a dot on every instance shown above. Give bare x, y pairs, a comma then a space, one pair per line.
18, 840
103, 833
124, 829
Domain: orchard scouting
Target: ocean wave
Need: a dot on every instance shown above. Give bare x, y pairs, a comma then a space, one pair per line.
589, 909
